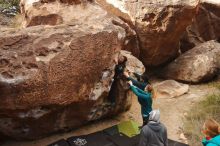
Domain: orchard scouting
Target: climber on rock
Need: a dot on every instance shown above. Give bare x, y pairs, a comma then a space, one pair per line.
154, 133
120, 67
145, 98
119, 70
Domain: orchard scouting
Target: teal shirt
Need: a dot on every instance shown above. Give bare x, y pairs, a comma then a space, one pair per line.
212, 142
145, 100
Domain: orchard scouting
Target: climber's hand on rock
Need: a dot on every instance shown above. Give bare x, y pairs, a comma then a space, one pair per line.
126, 74
130, 83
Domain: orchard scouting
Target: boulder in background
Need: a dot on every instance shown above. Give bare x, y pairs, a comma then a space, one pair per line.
170, 89
197, 65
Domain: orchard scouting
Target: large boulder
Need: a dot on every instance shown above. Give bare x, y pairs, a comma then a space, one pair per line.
158, 24
196, 65
55, 78
53, 12
170, 89
205, 25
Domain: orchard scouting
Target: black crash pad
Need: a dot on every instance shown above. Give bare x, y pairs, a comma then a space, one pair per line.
111, 130
175, 143
94, 139
120, 140
109, 137
103, 139
135, 141
61, 142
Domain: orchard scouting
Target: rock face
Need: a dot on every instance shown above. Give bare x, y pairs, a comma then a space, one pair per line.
55, 78
133, 64
170, 89
53, 12
5, 21
158, 24
131, 42
196, 65
205, 26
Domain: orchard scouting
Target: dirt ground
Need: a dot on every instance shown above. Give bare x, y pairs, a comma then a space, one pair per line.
172, 114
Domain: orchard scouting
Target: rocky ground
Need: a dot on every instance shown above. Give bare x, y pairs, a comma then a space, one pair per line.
172, 114
4, 20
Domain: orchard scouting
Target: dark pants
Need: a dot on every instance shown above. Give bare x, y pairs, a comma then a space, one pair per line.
113, 92
145, 120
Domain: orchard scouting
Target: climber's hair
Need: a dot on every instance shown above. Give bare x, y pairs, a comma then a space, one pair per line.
151, 90
211, 127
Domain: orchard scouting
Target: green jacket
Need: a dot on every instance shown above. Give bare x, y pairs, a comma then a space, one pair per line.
145, 100
212, 142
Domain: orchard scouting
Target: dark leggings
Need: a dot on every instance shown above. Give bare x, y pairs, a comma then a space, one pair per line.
145, 120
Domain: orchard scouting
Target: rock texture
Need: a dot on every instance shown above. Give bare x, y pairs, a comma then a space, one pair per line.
4, 21
133, 64
158, 24
205, 25
131, 42
196, 65
53, 12
55, 78
170, 89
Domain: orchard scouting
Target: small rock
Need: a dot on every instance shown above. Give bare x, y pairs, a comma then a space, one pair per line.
182, 137
185, 114
170, 89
